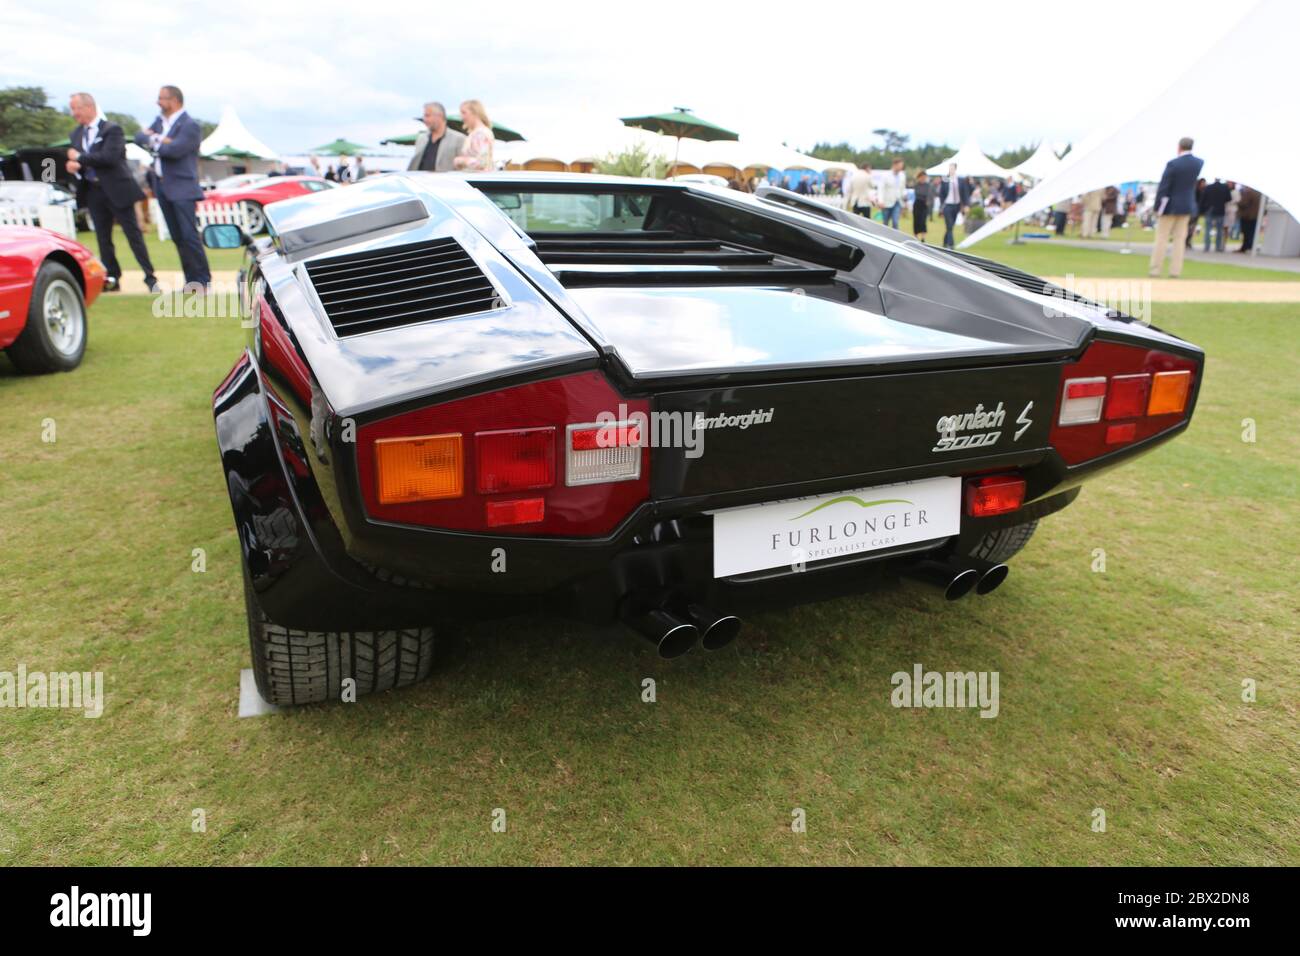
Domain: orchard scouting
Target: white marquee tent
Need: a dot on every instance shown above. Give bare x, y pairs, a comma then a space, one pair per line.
971, 161
231, 133
1043, 163
1244, 133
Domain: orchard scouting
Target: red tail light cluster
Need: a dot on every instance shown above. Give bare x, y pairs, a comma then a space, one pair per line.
541, 458
988, 495
1119, 394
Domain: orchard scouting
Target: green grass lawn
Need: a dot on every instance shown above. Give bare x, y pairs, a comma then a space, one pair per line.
1119, 690
1043, 257
163, 254
1047, 257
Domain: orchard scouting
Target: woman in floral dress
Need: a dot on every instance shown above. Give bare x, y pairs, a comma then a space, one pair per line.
476, 154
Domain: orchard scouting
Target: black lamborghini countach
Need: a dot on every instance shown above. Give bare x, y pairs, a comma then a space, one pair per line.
468, 396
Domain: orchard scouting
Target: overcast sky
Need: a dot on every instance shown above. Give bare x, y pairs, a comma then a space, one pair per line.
301, 74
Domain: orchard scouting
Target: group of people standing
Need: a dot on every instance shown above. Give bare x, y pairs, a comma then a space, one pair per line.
1229, 209
107, 188
439, 148
1183, 197
867, 192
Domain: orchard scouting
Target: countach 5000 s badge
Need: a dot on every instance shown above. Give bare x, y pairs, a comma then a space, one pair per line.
970, 430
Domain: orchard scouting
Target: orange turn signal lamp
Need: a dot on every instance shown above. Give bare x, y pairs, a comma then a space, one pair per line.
1169, 391
422, 468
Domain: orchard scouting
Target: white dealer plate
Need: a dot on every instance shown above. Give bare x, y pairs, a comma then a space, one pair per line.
785, 533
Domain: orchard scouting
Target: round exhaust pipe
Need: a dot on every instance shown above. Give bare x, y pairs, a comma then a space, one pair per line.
719, 630
669, 633
991, 575
954, 580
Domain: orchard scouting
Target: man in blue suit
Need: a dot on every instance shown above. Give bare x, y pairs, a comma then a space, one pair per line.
1175, 206
174, 139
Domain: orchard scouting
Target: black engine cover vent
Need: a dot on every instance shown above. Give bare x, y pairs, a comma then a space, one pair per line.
403, 285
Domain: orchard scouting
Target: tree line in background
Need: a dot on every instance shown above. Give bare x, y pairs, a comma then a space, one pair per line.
27, 118
894, 143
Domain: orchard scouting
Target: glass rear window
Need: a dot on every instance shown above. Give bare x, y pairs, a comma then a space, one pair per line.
574, 212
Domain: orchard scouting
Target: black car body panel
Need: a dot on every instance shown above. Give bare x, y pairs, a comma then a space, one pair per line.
702, 304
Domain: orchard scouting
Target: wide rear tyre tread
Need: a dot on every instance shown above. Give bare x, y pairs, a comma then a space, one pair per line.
294, 666
1003, 544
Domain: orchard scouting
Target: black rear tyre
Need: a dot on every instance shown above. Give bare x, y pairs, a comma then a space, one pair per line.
54, 338
1001, 545
293, 666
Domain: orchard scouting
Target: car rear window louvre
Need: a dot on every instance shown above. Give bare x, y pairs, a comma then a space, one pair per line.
387, 288
1030, 282
594, 259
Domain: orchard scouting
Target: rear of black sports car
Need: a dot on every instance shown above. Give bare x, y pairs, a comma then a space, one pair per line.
665, 404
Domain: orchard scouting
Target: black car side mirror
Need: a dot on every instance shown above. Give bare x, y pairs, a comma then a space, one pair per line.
225, 235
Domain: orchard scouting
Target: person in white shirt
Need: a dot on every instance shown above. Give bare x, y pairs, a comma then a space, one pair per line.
862, 191
890, 191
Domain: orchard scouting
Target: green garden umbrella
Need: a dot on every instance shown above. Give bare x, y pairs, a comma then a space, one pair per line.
340, 147
680, 122
503, 134
230, 152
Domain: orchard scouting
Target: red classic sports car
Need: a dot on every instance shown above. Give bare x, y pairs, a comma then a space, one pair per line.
263, 192
46, 283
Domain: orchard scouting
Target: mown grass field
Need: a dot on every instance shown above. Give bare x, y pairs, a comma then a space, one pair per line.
163, 255
1119, 690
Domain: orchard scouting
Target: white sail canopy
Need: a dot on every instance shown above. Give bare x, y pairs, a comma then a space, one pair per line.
1243, 135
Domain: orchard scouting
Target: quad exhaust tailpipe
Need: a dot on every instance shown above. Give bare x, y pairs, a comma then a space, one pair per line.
958, 576
674, 633
718, 630
668, 632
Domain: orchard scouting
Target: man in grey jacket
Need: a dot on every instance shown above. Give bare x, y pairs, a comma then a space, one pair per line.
437, 146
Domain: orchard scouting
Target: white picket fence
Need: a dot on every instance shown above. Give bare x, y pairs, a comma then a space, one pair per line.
207, 213
60, 219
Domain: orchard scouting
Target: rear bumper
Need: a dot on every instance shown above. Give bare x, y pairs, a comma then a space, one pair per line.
311, 573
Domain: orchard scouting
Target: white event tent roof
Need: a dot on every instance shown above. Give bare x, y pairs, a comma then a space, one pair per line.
231, 133
1043, 163
1244, 134
971, 161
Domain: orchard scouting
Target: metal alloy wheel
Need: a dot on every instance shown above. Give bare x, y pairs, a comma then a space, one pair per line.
254, 217
65, 317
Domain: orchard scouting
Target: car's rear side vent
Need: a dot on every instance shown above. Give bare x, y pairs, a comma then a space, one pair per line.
368, 291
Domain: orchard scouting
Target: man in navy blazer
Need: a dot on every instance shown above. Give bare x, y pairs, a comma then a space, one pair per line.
106, 187
1175, 206
174, 139
954, 197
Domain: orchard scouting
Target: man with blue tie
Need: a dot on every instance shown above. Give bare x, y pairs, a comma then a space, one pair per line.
1175, 205
174, 139
106, 188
